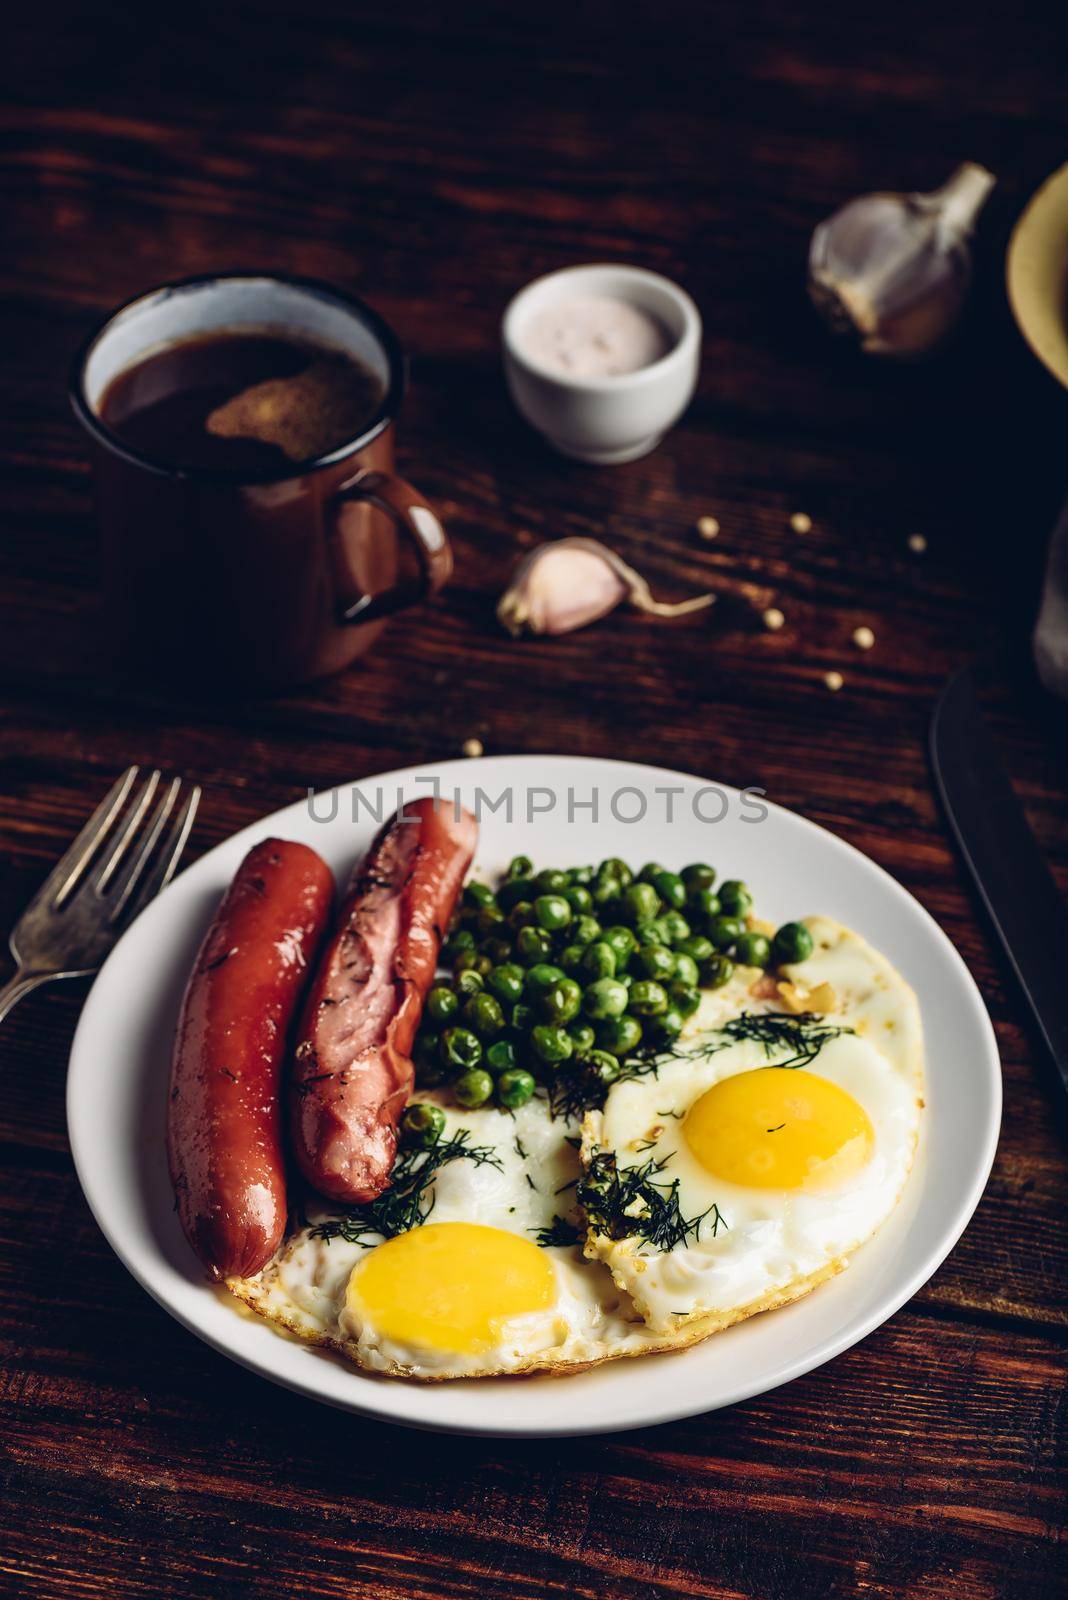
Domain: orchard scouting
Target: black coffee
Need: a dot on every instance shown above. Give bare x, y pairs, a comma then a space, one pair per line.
241, 402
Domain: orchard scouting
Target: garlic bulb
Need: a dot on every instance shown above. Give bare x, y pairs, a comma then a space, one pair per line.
571, 582
893, 269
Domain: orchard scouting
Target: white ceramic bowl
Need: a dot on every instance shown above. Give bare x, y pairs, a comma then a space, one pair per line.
605, 420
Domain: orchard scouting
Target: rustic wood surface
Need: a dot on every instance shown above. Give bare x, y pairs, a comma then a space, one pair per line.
434, 159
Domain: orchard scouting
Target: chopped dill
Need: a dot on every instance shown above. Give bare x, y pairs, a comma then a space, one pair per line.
519, 1149
577, 1087
802, 1034
778, 1126
559, 1232
629, 1202
406, 1203
564, 1187
530, 1182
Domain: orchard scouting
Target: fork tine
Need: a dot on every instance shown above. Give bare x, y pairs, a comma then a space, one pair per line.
166, 862
108, 867
63, 877
129, 878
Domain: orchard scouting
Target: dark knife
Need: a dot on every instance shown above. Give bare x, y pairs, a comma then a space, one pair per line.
1000, 851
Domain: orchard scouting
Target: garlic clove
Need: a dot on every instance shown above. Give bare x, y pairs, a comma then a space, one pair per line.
569, 583
893, 269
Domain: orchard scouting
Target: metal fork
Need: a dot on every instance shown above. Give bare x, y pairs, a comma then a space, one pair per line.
109, 874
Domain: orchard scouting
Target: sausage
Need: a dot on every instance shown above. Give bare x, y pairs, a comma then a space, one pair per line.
225, 1123
352, 1069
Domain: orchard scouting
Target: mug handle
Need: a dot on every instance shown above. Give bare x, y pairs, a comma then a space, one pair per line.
413, 518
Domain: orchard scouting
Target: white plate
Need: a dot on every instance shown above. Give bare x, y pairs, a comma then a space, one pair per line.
119, 1063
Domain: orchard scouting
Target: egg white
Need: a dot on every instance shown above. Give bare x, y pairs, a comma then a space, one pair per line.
761, 1247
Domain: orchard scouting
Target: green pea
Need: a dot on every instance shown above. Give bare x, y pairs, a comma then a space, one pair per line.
514, 1088
675, 926
532, 945
647, 998
472, 961
550, 881
463, 939
423, 1123
685, 969
506, 982
735, 898
617, 869
552, 912
511, 893
483, 1015
490, 920
752, 950
651, 933
698, 875
502, 1055
684, 998
582, 1037
697, 947
520, 867
582, 875
570, 958
429, 1068
560, 1002
441, 1004
584, 930
655, 961
473, 1088
607, 997
606, 891
704, 904
603, 1065
668, 1025
623, 942
579, 898
522, 1017
542, 975
498, 950
716, 971
521, 915
599, 960
670, 887
793, 942
723, 931
619, 1035
469, 982
640, 903
478, 894
551, 1044
459, 1049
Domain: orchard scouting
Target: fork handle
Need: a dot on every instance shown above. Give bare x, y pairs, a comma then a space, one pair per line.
14, 989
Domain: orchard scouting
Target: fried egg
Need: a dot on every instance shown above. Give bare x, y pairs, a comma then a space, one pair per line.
741, 1174
477, 1288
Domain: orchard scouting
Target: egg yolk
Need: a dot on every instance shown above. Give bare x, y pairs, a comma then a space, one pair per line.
779, 1128
450, 1285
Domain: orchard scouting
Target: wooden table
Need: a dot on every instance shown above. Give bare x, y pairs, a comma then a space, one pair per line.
434, 160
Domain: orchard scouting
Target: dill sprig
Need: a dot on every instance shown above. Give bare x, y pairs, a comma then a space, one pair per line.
629, 1202
577, 1087
406, 1203
802, 1034
559, 1232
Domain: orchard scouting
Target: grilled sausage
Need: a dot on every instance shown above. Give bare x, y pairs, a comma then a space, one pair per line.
353, 1071
225, 1123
